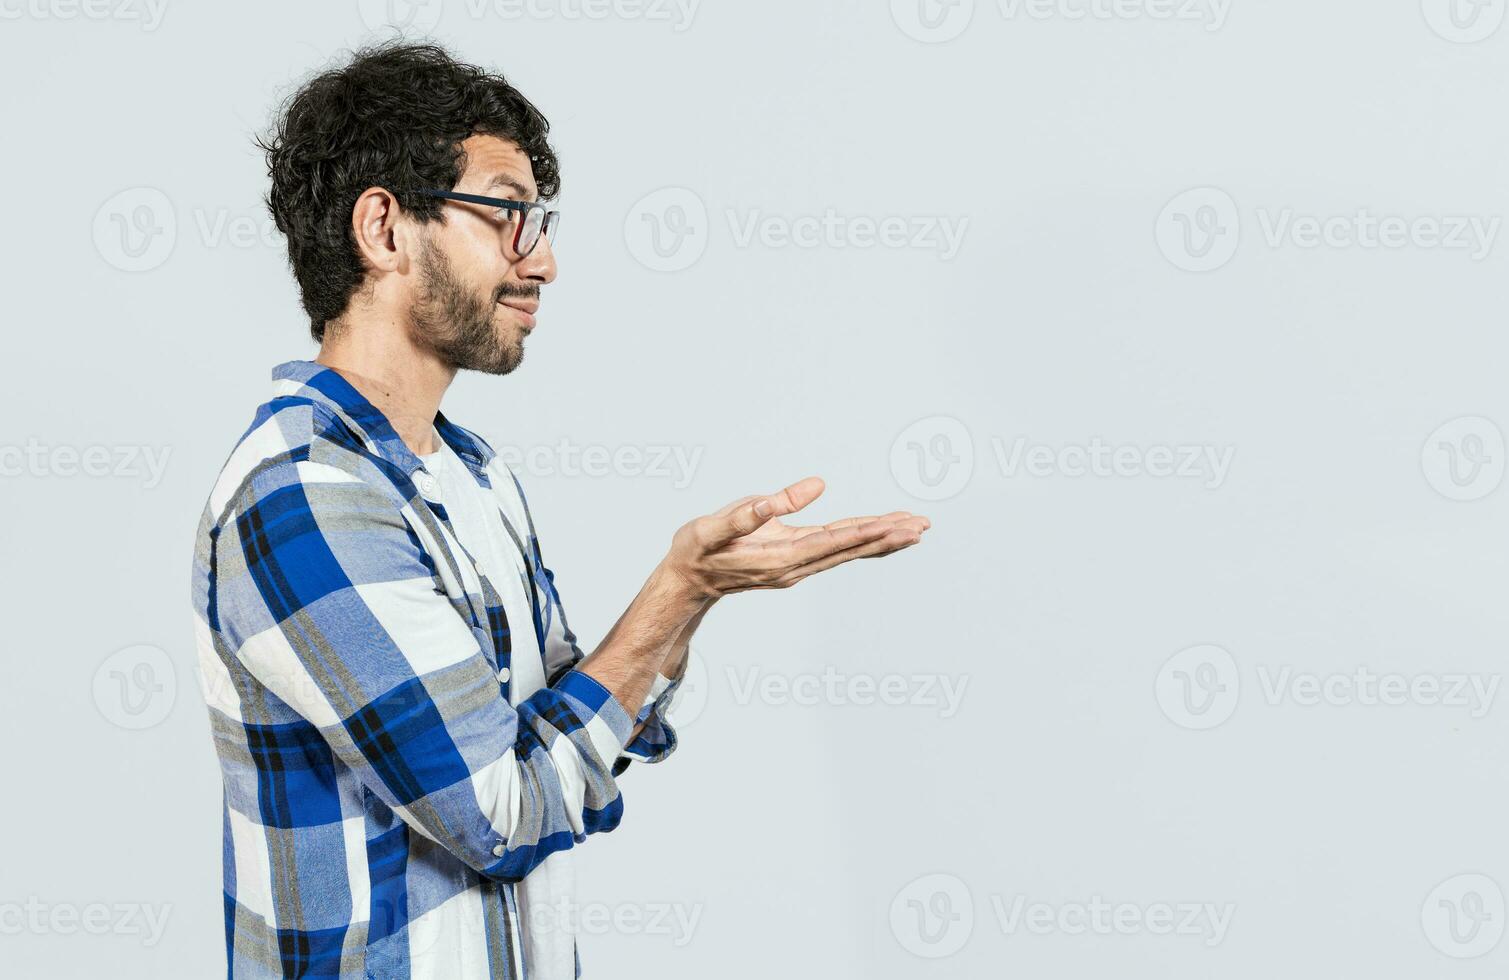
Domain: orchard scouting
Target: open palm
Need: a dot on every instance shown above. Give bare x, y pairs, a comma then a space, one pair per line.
746, 545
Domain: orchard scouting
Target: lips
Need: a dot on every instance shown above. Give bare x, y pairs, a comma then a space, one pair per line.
526, 308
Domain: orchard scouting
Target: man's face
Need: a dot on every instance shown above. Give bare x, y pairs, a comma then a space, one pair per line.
475, 299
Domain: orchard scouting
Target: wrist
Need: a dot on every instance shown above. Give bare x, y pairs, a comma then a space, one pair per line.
678, 589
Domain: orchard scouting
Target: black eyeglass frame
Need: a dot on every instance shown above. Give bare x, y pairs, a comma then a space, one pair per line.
548, 227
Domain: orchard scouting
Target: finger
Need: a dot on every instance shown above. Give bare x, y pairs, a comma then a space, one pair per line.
727, 509
746, 517
801, 532
909, 523
889, 544
893, 516
822, 543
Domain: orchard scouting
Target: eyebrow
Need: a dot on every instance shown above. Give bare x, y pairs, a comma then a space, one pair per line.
503, 180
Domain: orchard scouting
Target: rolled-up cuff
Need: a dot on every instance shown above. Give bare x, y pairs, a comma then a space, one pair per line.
596, 703
657, 738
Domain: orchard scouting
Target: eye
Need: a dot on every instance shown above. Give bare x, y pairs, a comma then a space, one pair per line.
506, 214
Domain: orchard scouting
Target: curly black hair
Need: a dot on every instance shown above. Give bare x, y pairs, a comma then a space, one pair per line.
393, 117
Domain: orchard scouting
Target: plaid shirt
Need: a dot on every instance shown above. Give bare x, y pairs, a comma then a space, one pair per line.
382, 795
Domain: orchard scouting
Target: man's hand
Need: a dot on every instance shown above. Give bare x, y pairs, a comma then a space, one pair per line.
745, 545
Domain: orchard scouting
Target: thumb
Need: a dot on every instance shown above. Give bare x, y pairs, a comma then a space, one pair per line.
750, 514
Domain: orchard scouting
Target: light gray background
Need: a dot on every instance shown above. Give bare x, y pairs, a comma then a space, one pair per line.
796, 833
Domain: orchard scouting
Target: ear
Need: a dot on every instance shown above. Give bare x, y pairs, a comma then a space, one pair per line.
382, 239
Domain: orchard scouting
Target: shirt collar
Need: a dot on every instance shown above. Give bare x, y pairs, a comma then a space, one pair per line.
306, 379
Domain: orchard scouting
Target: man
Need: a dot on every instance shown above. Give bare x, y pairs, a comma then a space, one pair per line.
411, 741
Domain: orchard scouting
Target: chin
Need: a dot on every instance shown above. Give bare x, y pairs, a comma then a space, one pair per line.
507, 360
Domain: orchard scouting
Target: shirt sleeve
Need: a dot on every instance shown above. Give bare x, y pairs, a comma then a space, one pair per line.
326, 589
656, 739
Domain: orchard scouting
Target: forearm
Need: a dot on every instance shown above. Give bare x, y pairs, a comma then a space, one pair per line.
675, 657
649, 638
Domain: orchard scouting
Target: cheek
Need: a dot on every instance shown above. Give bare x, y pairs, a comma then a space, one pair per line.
477, 260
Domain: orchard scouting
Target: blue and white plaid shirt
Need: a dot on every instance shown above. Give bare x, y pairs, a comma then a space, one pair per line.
382, 795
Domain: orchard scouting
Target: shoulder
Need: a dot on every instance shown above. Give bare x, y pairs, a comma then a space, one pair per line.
295, 440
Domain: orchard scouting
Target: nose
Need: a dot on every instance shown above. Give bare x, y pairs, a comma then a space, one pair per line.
539, 265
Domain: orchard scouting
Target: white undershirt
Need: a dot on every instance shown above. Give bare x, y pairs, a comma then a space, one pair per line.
549, 936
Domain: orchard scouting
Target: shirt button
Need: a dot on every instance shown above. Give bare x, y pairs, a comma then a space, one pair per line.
504, 675
426, 484
498, 851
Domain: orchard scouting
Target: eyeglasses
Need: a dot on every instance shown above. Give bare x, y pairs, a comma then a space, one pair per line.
536, 221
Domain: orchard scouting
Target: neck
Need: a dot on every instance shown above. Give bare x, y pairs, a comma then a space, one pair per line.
401, 380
